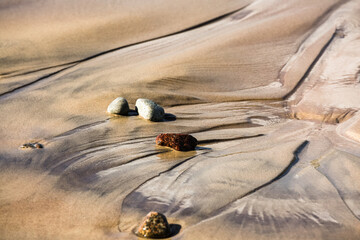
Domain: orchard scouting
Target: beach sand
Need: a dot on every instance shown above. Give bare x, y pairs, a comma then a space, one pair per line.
269, 88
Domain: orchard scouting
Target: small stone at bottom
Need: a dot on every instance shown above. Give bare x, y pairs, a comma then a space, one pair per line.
154, 225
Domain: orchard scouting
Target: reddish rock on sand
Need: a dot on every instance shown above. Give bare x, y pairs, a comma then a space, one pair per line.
179, 142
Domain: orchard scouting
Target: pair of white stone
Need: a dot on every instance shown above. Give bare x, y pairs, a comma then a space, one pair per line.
144, 107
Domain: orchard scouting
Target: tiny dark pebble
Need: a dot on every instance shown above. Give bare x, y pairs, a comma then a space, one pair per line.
32, 145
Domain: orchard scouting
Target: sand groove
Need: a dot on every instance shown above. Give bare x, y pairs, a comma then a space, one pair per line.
23, 87
341, 197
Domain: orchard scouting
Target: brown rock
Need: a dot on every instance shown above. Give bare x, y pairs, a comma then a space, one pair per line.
179, 142
154, 225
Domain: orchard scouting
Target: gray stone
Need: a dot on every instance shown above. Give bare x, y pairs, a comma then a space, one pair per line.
119, 106
149, 110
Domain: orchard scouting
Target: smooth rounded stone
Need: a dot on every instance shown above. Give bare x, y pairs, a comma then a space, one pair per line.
154, 225
149, 110
119, 106
179, 142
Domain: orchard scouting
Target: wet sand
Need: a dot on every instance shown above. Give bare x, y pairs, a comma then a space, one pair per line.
269, 88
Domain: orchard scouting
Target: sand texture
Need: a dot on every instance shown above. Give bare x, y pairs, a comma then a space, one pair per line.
269, 88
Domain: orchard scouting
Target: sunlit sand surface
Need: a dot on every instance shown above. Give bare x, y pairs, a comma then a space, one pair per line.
269, 88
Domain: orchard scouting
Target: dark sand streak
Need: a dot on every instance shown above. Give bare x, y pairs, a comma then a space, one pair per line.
24, 87
310, 68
